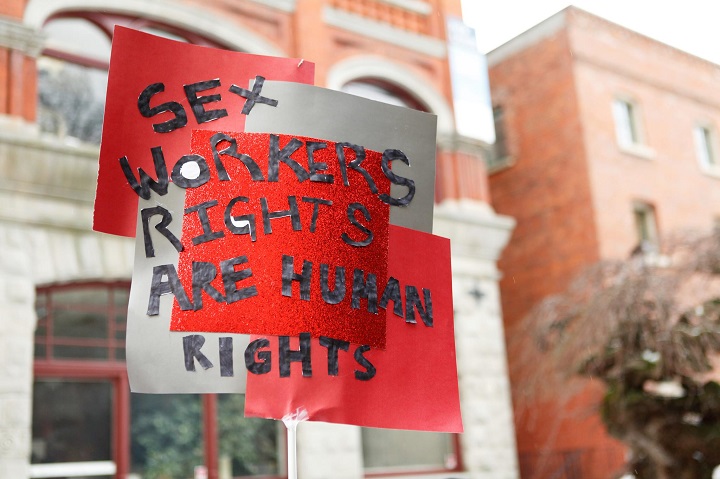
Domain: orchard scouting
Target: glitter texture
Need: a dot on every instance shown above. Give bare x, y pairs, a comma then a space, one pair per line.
268, 312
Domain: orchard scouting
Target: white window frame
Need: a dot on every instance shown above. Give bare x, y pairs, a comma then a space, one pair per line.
705, 138
629, 131
73, 469
646, 228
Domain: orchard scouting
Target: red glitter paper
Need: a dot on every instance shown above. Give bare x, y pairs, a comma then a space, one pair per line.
415, 385
269, 312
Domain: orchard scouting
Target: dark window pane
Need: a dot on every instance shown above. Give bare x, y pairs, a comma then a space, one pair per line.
120, 354
501, 150
121, 297
72, 421
81, 321
79, 352
120, 321
80, 296
74, 324
40, 350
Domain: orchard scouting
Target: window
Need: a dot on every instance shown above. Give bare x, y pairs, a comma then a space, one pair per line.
501, 150
645, 227
72, 79
248, 446
80, 389
72, 423
87, 423
73, 69
706, 148
81, 322
382, 91
627, 126
500, 157
387, 451
167, 435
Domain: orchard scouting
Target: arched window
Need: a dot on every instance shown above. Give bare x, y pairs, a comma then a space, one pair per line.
386, 92
87, 423
72, 70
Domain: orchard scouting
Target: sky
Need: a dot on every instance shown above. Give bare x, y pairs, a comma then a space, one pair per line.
689, 25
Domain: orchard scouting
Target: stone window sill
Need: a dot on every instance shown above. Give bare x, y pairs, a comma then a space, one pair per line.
638, 150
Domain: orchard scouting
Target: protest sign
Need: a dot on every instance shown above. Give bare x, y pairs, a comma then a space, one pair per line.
270, 209
297, 227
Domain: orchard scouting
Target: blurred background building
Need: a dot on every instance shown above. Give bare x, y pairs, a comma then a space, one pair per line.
65, 408
607, 140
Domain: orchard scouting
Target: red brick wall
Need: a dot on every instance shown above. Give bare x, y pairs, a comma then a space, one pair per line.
547, 190
572, 187
4, 80
674, 91
18, 81
12, 8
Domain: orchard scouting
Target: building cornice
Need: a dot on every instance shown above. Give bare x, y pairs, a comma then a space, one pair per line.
62, 169
360, 25
478, 235
463, 144
288, 6
530, 37
415, 6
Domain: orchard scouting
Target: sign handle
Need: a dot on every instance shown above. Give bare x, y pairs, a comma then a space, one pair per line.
291, 421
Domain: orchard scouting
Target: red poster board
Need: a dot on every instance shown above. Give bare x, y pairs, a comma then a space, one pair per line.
415, 384
168, 80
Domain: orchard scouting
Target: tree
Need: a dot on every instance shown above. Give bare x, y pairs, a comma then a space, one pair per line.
250, 443
649, 329
167, 441
68, 104
167, 436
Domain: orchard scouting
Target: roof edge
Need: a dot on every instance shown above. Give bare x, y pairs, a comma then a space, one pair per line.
542, 30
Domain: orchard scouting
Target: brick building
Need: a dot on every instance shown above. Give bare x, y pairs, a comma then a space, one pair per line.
608, 139
65, 409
